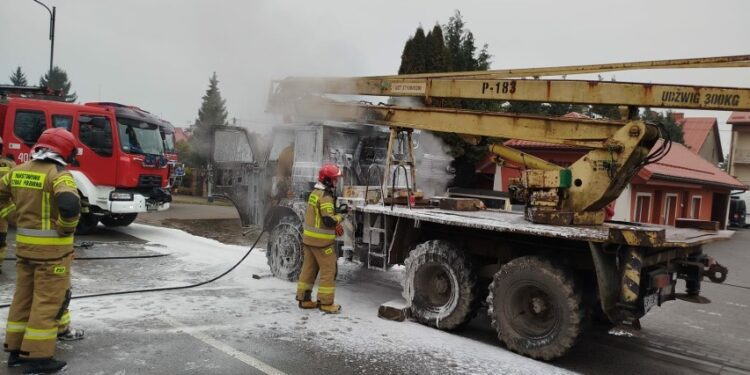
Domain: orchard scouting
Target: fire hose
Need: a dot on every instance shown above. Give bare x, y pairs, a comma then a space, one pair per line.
164, 289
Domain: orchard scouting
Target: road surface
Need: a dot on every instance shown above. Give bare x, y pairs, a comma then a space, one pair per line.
243, 325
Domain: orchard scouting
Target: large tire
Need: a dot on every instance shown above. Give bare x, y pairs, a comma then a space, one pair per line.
535, 308
284, 253
87, 224
440, 285
118, 220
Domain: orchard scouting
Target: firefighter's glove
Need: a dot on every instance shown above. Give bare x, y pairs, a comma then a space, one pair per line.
339, 230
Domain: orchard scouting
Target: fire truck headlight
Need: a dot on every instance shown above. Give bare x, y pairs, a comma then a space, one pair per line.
120, 196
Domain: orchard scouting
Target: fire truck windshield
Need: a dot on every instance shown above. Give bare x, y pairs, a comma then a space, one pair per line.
137, 137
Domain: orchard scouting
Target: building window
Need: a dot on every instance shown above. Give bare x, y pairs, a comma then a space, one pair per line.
643, 207
695, 207
670, 209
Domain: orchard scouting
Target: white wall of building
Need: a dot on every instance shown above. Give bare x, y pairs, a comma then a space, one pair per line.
622, 205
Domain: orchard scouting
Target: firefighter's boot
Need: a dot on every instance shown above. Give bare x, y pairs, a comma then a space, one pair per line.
14, 359
71, 334
308, 304
330, 309
44, 366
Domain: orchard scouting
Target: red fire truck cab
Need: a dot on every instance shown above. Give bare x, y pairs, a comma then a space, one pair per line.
121, 166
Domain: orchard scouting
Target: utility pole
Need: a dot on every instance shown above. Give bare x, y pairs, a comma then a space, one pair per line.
52, 13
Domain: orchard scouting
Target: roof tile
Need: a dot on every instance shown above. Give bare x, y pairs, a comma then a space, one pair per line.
696, 130
682, 164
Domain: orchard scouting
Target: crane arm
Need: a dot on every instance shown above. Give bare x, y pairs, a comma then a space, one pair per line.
574, 132
574, 195
541, 90
511, 85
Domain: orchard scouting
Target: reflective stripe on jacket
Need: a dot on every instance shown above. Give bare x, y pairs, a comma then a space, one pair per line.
315, 231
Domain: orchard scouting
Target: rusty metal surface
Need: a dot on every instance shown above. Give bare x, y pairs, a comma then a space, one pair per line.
633, 236
514, 222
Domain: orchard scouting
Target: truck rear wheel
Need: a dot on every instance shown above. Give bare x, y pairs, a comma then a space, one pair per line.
118, 220
440, 285
535, 308
284, 253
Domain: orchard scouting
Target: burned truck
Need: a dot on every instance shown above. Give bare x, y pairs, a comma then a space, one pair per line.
269, 177
539, 282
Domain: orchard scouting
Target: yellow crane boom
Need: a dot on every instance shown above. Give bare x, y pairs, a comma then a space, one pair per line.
573, 195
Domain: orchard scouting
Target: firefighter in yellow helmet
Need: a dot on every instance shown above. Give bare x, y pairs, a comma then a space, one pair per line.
322, 225
46, 201
5, 166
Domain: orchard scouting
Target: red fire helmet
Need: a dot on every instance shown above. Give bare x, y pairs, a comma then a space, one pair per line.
330, 172
57, 140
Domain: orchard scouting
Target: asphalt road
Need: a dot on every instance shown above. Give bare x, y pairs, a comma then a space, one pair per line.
244, 326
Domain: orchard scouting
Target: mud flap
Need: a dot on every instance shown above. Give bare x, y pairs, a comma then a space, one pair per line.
606, 277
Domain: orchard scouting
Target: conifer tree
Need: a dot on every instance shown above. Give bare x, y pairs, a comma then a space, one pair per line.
449, 49
437, 53
18, 78
58, 80
212, 112
674, 131
414, 58
213, 109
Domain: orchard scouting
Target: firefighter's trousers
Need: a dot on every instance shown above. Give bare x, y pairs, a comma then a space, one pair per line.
316, 259
39, 308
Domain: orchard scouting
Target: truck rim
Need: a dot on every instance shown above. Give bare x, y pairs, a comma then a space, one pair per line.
435, 287
533, 313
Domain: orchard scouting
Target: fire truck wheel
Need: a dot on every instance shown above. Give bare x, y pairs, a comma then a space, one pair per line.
118, 220
284, 254
535, 307
87, 224
440, 285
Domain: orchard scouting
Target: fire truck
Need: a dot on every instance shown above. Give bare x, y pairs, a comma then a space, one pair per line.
121, 168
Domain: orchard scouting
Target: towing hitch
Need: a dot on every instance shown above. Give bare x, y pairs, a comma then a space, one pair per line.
693, 271
715, 271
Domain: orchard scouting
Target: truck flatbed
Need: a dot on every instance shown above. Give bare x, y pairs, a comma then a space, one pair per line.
514, 222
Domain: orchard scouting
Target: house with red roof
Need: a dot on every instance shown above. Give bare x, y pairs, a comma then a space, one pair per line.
701, 135
681, 185
181, 135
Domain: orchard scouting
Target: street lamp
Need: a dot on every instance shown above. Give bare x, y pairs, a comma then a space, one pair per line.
51, 35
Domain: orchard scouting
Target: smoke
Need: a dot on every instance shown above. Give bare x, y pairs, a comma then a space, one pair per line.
434, 171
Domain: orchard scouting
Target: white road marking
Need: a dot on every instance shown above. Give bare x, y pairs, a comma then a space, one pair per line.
226, 349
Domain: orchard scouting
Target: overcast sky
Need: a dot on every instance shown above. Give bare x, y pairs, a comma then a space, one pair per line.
159, 55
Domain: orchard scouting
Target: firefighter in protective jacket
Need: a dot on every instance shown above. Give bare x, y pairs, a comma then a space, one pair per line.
322, 225
46, 201
5, 166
